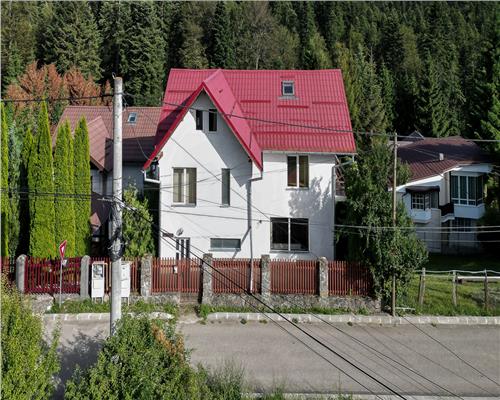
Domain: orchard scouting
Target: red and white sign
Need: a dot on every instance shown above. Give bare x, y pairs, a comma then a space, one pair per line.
62, 248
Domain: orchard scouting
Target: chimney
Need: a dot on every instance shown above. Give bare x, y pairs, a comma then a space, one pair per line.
441, 156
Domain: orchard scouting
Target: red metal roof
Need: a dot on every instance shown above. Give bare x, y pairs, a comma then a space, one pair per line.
270, 121
422, 156
138, 137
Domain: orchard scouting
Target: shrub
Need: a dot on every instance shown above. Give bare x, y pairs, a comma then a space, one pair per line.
28, 363
146, 359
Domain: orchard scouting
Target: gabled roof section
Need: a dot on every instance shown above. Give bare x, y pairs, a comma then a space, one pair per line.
315, 119
423, 160
100, 143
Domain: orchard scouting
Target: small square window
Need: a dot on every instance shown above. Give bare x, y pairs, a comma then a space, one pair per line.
132, 118
287, 88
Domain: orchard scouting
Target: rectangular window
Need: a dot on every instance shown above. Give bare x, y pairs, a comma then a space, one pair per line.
287, 88
226, 186
212, 120
424, 201
199, 120
417, 201
300, 164
290, 234
182, 248
461, 224
467, 190
184, 186
225, 244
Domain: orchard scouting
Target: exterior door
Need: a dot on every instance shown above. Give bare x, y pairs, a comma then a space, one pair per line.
182, 248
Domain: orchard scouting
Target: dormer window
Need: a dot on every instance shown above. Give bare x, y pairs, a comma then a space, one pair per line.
288, 88
132, 118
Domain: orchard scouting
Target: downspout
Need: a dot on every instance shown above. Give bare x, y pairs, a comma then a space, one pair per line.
334, 197
249, 212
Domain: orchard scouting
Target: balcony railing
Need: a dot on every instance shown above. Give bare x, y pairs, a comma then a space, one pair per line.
447, 209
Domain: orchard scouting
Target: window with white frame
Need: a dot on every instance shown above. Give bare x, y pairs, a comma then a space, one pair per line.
212, 120
290, 234
425, 200
184, 186
225, 244
287, 88
467, 190
298, 171
461, 224
226, 186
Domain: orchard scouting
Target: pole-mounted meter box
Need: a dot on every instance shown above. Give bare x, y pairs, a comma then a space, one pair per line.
97, 280
126, 279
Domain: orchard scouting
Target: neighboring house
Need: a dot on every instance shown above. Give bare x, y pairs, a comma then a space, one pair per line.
241, 167
446, 190
139, 132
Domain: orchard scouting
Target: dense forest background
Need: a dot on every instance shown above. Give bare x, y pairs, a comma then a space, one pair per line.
407, 65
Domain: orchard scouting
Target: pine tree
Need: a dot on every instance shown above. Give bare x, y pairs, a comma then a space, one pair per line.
41, 187
313, 53
72, 38
222, 49
82, 186
389, 95
137, 230
64, 185
25, 200
4, 247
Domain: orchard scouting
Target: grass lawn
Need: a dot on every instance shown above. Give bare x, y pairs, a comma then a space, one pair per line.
439, 262
87, 306
438, 297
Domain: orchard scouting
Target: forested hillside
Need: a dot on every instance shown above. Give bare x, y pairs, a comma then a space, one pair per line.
426, 66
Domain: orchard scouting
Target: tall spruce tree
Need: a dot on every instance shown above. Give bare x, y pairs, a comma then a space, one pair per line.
25, 200
222, 49
72, 39
41, 188
64, 186
4, 247
82, 185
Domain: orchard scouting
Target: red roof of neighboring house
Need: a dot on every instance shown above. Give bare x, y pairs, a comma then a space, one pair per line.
252, 104
138, 137
422, 156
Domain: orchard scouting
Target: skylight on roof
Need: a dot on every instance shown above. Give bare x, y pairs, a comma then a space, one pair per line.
287, 88
132, 118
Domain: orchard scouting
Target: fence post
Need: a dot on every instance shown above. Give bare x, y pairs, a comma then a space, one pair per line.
421, 289
146, 268
20, 272
486, 292
265, 283
454, 289
84, 277
206, 296
323, 277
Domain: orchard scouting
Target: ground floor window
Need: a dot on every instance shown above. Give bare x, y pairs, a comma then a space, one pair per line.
182, 248
462, 225
290, 234
225, 244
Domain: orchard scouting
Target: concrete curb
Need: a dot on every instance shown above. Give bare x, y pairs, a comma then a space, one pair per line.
98, 316
358, 319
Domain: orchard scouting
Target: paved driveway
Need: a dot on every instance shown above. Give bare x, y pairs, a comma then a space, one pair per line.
408, 361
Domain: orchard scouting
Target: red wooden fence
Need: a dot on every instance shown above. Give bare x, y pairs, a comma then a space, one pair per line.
135, 273
43, 275
294, 277
171, 275
8, 268
346, 279
233, 275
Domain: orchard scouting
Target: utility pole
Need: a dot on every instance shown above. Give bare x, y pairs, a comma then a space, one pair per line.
394, 205
116, 226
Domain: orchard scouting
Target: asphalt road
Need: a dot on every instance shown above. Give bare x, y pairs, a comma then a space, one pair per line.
407, 360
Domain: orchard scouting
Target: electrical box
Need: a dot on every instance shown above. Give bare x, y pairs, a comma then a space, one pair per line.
97, 280
125, 279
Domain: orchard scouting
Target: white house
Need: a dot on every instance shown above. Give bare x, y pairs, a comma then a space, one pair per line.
244, 161
446, 190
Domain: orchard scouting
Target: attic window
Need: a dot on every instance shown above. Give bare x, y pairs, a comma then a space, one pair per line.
132, 118
287, 88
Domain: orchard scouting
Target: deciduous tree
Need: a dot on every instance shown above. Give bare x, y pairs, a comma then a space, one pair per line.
4, 246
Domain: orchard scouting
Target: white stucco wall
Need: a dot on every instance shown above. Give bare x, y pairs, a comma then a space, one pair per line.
209, 153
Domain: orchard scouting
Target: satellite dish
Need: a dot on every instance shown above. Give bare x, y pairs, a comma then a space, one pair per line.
179, 232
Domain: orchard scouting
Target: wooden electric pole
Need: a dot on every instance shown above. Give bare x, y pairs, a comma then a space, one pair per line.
116, 226
394, 209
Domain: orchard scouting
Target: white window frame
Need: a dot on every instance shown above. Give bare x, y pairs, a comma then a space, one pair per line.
289, 249
287, 84
184, 185
297, 169
130, 116
467, 200
238, 248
